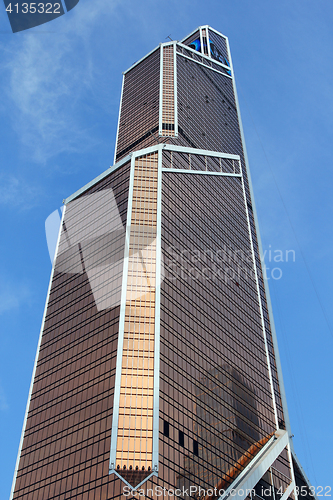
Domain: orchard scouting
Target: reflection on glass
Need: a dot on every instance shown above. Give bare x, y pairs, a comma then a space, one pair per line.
135, 425
94, 244
196, 45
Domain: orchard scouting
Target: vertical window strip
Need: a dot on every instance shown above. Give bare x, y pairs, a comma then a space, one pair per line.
135, 426
168, 101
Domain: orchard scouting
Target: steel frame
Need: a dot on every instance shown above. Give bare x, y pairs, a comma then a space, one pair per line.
116, 396
210, 59
208, 44
201, 42
254, 471
204, 65
160, 112
260, 308
156, 407
200, 172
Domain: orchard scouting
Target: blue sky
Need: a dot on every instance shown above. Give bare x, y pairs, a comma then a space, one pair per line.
60, 85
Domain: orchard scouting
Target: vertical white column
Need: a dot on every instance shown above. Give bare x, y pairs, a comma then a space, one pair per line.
157, 314
175, 84
116, 397
208, 44
260, 308
201, 42
160, 132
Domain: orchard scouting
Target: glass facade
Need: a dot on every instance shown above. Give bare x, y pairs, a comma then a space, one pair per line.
168, 92
66, 442
135, 424
157, 365
139, 118
213, 358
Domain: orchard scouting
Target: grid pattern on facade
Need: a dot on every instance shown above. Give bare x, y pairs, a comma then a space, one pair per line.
192, 38
139, 117
215, 396
214, 378
275, 481
135, 425
168, 93
266, 320
207, 112
207, 117
201, 163
220, 44
67, 437
281, 474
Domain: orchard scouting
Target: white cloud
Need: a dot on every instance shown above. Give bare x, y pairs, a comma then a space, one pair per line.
43, 88
46, 74
16, 192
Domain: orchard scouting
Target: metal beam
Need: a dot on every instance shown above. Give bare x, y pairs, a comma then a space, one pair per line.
290, 488
203, 152
255, 470
202, 172
210, 59
204, 65
158, 279
252, 237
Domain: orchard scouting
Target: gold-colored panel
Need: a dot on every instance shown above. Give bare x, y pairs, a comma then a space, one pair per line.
135, 424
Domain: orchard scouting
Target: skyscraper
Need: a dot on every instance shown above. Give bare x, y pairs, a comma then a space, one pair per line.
157, 365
